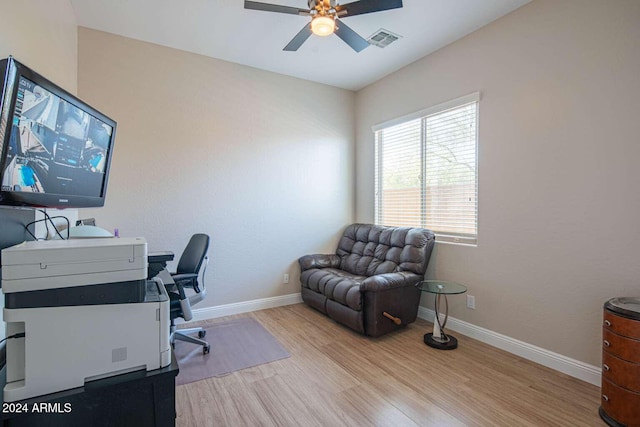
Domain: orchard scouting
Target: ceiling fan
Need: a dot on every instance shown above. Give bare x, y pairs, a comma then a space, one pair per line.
324, 18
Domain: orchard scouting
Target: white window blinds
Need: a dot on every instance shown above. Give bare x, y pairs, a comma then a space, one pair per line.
426, 171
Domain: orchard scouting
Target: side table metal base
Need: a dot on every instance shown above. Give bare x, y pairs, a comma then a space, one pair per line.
451, 344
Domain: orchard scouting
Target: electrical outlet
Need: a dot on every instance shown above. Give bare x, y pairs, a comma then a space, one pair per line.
471, 302
285, 278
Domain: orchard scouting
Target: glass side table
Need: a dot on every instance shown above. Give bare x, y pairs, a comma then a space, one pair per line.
438, 339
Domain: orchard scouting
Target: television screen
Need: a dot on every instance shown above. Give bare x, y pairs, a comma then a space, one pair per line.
56, 149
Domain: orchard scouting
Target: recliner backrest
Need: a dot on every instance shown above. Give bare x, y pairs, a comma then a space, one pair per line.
193, 255
367, 249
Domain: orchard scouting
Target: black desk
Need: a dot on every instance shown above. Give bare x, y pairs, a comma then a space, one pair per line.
136, 399
158, 262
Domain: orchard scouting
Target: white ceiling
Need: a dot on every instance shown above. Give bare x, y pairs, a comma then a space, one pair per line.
224, 29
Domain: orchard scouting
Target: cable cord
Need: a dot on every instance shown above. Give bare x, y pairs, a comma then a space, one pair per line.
49, 219
18, 335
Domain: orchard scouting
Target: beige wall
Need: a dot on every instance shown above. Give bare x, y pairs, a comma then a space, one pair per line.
42, 34
559, 189
261, 162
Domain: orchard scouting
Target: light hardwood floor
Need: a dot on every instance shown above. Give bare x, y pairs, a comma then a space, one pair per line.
336, 377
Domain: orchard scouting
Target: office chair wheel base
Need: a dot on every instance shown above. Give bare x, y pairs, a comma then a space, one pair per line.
206, 349
201, 334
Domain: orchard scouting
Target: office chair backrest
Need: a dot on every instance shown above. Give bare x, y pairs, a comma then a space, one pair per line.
193, 255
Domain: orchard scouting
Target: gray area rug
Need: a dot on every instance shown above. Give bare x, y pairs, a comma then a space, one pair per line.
236, 344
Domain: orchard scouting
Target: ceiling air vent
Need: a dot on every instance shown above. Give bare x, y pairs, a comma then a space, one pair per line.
383, 38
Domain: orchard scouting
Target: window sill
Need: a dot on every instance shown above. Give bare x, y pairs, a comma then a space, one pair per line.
447, 242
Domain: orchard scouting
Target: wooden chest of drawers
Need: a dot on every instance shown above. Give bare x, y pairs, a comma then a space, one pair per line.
621, 362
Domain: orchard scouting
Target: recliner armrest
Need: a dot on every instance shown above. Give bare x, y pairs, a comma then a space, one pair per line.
381, 282
319, 261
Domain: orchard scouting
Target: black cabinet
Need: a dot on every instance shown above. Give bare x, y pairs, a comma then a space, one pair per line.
137, 399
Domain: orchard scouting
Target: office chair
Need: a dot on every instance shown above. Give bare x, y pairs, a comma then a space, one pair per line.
186, 276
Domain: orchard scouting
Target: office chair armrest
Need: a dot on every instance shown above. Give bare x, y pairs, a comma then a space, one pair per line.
185, 304
184, 277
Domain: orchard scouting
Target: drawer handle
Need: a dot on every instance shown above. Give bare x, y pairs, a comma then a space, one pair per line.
606, 367
605, 397
606, 343
606, 322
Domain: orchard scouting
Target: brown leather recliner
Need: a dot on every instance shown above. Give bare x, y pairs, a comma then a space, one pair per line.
369, 284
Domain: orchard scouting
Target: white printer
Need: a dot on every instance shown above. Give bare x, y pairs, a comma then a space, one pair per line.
87, 312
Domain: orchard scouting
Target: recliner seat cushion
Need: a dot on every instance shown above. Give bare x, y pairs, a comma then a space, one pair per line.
336, 285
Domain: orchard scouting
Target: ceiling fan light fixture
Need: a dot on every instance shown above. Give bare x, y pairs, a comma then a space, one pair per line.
322, 25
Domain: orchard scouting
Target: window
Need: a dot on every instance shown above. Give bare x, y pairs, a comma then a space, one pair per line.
426, 170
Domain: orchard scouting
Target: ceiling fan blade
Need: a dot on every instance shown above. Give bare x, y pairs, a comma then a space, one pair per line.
350, 37
300, 38
266, 7
367, 6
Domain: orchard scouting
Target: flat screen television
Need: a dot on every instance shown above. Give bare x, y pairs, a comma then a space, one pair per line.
55, 150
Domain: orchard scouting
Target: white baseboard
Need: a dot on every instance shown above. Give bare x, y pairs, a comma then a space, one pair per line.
564, 364
244, 307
